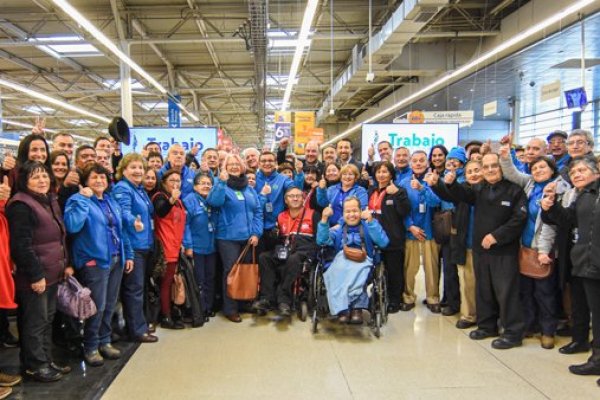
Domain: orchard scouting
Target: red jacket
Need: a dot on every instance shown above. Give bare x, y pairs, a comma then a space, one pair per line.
169, 229
7, 283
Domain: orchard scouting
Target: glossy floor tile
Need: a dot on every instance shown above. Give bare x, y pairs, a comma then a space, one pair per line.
419, 356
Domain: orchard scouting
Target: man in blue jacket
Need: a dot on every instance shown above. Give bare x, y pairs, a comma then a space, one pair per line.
176, 161
279, 184
419, 239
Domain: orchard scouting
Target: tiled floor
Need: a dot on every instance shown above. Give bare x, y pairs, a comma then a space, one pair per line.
419, 356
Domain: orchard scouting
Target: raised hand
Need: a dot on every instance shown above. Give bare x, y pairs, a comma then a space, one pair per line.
176, 194
364, 175
486, 147
391, 188
223, 175
371, 152
367, 215
266, 190
449, 178
504, 152
85, 191
195, 150
40, 125
9, 161
323, 184
284, 143
5, 189
72, 178
415, 184
299, 166
432, 178
326, 214
138, 224
204, 167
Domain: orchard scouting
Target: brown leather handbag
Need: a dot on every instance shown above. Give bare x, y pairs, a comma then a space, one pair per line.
352, 253
178, 290
442, 226
242, 280
531, 267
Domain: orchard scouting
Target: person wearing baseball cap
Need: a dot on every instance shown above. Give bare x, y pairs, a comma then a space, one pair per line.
557, 146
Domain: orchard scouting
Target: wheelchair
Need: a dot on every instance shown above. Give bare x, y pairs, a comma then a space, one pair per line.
375, 287
301, 289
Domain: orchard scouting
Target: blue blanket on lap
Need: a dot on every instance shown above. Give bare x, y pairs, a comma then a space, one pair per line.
345, 281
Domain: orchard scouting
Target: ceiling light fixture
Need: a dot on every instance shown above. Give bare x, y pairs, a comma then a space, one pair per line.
24, 125
51, 100
469, 67
106, 42
309, 14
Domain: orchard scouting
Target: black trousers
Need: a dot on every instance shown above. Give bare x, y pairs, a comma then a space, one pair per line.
538, 297
497, 294
277, 277
451, 285
394, 267
592, 294
580, 311
34, 320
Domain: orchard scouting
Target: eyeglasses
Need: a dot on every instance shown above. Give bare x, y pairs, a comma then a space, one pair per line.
577, 143
490, 166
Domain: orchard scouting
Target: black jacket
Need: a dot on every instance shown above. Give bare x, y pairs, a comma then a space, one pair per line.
584, 216
394, 208
500, 209
461, 216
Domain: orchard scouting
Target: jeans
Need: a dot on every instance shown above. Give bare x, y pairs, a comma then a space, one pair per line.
204, 272
132, 295
104, 285
230, 250
540, 295
34, 320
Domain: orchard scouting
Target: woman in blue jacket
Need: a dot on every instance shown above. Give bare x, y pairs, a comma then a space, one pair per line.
240, 221
100, 251
345, 279
199, 238
335, 195
138, 226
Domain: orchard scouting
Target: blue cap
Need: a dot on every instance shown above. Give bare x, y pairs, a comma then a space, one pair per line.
458, 153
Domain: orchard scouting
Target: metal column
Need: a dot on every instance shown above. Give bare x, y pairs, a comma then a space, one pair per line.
126, 97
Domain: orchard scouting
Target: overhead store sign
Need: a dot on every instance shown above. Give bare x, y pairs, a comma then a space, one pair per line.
576, 98
174, 112
490, 108
166, 137
412, 136
304, 123
463, 118
550, 91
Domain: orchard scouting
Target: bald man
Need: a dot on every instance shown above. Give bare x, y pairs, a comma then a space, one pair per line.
176, 161
535, 148
311, 154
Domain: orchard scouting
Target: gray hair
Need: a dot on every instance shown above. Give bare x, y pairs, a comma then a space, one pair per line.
589, 162
582, 132
249, 150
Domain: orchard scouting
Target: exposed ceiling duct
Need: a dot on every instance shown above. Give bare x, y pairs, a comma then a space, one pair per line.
258, 47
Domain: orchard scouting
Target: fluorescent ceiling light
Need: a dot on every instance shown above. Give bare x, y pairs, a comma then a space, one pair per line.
469, 67
24, 125
283, 43
281, 34
106, 42
115, 84
80, 122
35, 109
51, 100
185, 110
309, 14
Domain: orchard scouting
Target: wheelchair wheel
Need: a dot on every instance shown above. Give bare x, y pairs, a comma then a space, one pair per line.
383, 294
314, 296
377, 324
303, 311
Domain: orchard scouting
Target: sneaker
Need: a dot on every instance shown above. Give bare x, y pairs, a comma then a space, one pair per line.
7, 380
284, 310
93, 358
261, 306
5, 392
109, 352
9, 340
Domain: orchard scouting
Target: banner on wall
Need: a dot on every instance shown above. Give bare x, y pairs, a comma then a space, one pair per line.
283, 116
282, 130
166, 137
304, 123
412, 136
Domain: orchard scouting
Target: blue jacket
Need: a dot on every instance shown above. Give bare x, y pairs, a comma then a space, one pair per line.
401, 174
521, 166
88, 226
279, 184
426, 197
326, 197
198, 235
373, 233
134, 201
240, 212
187, 178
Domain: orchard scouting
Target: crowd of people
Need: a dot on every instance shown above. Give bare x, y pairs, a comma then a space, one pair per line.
509, 238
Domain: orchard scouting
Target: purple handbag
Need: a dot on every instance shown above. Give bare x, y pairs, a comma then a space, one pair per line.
75, 300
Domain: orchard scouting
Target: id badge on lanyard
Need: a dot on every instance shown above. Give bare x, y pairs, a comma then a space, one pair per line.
239, 195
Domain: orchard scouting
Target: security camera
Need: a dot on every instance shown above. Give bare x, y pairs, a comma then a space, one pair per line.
532, 83
370, 77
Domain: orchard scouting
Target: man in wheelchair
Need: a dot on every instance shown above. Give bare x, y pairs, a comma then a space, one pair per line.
353, 241
280, 267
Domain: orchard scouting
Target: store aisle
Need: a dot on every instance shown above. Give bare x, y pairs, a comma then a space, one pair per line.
420, 356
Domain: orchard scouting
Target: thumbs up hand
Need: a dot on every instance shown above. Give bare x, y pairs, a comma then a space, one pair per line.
4, 189
72, 178
323, 183
364, 175
449, 178
9, 161
138, 224
266, 190
432, 178
415, 184
85, 191
371, 152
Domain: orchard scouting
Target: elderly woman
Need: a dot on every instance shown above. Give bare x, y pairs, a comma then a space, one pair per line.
389, 204
100, 253
138, 226
538, 296
170, 224
345, 277
581, 218
335, 195
240, 221
199, 238
38, 248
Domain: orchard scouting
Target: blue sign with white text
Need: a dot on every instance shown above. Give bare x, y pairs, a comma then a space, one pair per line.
174, 113
204, 137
